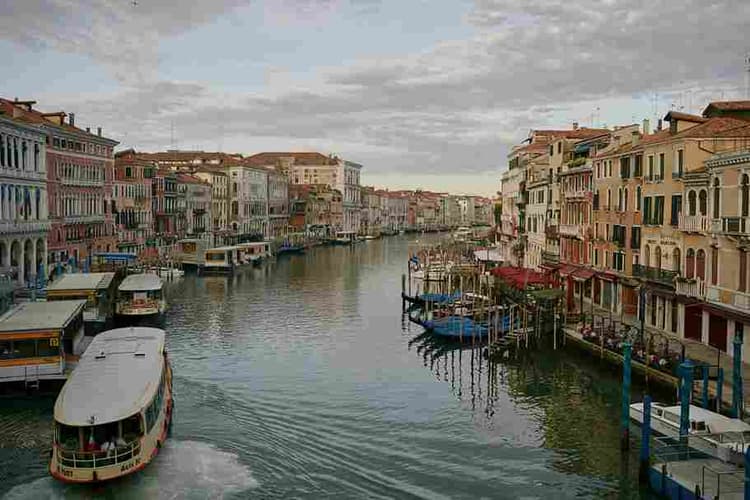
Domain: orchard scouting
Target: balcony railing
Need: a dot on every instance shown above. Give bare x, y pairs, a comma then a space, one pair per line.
572, 230
730, 225
83, 219
23, 226
691, 288
694, 223
654, 274
576, 193
732, 298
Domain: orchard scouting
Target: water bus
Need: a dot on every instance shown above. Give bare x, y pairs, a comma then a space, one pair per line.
722, 437
140, 297
113, 414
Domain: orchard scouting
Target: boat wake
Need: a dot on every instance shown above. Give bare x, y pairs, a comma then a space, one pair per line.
184, 469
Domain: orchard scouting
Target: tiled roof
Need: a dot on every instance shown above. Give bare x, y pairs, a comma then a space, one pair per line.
189, 179
300, 158
579, 133
729, 106
687, 117
20, 112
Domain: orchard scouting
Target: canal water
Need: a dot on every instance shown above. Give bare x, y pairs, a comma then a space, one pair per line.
301, 379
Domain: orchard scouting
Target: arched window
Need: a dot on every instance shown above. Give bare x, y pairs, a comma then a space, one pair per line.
676, 260
691, 203
690, 263
702, 202
638, 198
745, 192
700, 265
609, 199
625, 197
717, 198
657, 257
647, 256
619, 199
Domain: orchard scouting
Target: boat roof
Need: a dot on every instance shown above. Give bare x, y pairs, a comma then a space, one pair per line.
29, 316
222, 249
254, 243
113, 381
717, 423
138, 282
81, 281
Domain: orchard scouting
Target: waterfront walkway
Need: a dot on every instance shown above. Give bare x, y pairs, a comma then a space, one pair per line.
697, 351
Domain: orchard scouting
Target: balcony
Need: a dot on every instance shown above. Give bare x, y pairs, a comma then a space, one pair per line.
695, 288
654, 274
23, 226
571, 230
694, 223
730, 225
732, 298
83, 219
577, 193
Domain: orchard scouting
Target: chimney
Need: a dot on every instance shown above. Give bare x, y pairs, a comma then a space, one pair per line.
99, 131
72, 119
658, 125
646, 126
635, 138
575, 125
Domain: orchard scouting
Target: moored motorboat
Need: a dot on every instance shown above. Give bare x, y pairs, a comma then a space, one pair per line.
712, 433
113, 414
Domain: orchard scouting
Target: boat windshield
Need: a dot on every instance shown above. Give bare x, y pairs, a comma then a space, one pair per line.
141, 295
94, 438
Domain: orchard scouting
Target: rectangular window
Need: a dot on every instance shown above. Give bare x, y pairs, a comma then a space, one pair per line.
638, 166
674, 316
659, 209
661, 166
676, 209
635, 237
647, 210
48, 347
625, 167
559, 147
650, 173
596, 257
680, 162
714, 265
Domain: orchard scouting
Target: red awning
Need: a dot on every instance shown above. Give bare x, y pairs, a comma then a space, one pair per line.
519, 277
567, 269
605, 275
583, 275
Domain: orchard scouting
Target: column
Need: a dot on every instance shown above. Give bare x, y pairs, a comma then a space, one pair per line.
730, 337
32, 274
21, 262
680, 320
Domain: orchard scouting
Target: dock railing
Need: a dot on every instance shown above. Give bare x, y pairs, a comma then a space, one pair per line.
733, 481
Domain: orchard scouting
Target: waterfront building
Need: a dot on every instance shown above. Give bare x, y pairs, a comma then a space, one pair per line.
198, 204
248, 200
24, 223
164, 206
542, 246
132, 204
451, 211
278, 203
80, 172
217, 178
670, 252
617, 173
398, 210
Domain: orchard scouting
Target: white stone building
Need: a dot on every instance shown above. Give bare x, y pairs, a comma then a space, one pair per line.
24, 222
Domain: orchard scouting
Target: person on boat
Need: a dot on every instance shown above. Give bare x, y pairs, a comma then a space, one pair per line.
91, 445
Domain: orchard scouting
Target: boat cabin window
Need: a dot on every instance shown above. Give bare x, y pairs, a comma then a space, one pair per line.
672, 417
29, 348
698, 426
215, 257
141, 295
154, 409
91, 438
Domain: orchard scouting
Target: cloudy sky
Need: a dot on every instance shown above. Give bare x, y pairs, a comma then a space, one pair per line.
424, 93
